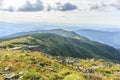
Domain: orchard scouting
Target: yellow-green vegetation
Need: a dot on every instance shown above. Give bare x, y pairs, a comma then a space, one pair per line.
26, 65
32, 66
110, 70
16, 41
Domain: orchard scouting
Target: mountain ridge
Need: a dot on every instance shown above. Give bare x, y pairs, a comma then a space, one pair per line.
57, 45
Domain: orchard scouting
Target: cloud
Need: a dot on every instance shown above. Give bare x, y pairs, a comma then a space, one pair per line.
60, 5
98, 6
48, 7
0, 2
69, 6
65, 7
28, 7
39, 6
108, 5
116, 4
11, 9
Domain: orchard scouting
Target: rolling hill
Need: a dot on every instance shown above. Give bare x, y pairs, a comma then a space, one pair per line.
110, 38
61, 32
57, 45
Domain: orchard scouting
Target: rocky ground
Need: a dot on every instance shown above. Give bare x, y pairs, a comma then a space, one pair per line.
27, 65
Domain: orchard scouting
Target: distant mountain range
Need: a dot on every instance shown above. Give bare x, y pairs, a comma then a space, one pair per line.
7, 28
111, 38
110, 29
11, 28
60, 42
61, 32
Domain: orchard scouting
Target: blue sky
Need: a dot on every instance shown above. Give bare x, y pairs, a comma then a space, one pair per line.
61, 11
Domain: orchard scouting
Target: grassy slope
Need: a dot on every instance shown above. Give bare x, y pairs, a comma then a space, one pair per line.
62, 46
37, 66
30, 63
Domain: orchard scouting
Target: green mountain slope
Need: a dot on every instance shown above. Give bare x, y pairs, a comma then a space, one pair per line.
57, 45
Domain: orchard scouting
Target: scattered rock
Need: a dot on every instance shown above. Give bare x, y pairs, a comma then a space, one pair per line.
31, 48
52, 69
42, 64
21, 72
20, 77
7, 69
95, 67
95, 77
90, 71
11, 76
108, 64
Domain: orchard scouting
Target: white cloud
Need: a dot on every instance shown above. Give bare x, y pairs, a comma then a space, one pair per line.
116, 4
108, 5
65, 7
36, 5
59, 5
76, 11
